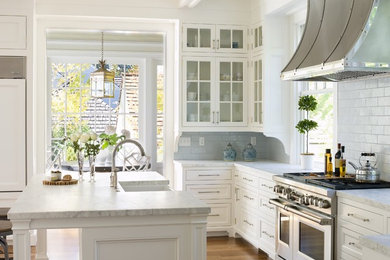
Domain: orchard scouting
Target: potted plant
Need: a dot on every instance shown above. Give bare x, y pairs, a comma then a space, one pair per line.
307, 103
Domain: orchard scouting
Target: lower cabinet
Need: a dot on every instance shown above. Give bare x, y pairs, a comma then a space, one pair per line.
238, 197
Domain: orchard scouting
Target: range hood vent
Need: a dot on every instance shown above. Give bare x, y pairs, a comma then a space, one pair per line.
342, 40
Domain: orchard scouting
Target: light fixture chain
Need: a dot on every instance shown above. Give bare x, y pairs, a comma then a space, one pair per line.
102, 44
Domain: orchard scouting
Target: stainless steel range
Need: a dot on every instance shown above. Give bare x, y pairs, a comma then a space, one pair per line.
306, 213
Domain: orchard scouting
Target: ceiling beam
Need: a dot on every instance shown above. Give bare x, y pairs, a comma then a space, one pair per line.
189, 3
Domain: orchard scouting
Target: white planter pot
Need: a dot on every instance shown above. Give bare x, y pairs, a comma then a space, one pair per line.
307, 161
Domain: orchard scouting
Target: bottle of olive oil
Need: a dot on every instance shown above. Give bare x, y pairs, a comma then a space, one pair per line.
337, 161
343, 163
329, 171
327, 156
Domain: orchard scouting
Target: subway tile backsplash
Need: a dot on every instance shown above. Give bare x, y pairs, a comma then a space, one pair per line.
215, 143
364, 120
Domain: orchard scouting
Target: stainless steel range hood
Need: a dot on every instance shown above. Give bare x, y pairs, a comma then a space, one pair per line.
342, 40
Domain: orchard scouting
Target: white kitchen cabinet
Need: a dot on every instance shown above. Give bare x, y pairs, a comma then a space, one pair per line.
215, 92
212, 184
13, 31
13, 132
256, 102
257, 38
355, 220
214, 38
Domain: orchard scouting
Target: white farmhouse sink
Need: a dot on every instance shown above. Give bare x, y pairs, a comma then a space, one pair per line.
142, 181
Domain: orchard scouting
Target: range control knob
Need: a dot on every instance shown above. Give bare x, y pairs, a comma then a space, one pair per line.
287, 191
291, 196
324, 204
314, 201
278, 189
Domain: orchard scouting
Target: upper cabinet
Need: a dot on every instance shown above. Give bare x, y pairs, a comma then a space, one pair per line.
256, 104
257, 38
13, 32
214, 38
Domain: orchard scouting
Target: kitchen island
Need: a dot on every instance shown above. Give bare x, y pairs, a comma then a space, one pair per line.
113, 225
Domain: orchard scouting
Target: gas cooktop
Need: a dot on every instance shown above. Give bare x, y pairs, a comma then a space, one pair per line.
335, 183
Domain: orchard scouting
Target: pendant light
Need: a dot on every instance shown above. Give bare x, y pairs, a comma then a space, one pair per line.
102, 80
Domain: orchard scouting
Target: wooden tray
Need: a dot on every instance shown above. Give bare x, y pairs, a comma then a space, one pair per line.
71, 182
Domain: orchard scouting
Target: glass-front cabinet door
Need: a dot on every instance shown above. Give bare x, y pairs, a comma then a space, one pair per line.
198, 37
257, 91
231, 38
198, 91
257, 33
231, 91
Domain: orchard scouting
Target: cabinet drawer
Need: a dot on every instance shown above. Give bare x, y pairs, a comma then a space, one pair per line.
349, 242
362, 217
211, 192
266, 185
249, 198
208, 174
267, 210
13, 32
267, 233
250, 180
220, 215
250, 224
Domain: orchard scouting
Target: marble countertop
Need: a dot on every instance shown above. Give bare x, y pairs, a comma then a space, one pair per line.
374, 197
98, 199
380, 244
272, 167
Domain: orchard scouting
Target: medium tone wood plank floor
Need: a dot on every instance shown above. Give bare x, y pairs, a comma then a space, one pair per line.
63, 245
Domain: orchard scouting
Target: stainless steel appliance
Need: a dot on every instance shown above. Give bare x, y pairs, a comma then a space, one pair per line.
306, 213
368, 172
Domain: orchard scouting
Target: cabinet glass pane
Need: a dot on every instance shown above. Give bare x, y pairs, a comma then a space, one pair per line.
192, 91
224, 109
204, 67
256, 117
260, 89
260, 113
260, 36
256, 69
237, 92
238, 39
204, 91
256, 37
255, 91
205, 38
224, 92
238, 71
260, 71
237, 112
225, 73
192, 112
204, 109
192, 70
225, 39
192, 37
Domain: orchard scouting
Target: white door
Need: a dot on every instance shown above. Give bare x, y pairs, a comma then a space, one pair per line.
13, 133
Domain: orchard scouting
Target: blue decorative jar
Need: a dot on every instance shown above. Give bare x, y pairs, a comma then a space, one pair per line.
229, 154
249, 153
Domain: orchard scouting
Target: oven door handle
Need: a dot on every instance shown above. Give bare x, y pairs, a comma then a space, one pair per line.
317, 218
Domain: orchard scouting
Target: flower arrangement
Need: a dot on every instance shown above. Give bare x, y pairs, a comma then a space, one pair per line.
111, 138
92, 145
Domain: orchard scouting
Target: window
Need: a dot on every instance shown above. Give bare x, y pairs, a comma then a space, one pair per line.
73, 109
324, 136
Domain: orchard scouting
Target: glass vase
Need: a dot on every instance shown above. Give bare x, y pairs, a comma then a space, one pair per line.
92, 160
80, 161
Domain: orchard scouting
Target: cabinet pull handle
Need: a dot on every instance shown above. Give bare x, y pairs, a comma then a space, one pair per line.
213, 117
246, 221
218, 44
218, 119
351, 243
269, 187
267, 206
265, 233
214, 215
203, 175
250, 180
358, 217
237, 189
354, 245
214, 44
248, 197
216, 191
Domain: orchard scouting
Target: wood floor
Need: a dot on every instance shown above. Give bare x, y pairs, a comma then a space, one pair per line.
63, 245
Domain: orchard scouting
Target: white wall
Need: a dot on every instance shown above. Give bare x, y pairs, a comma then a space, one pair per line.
364, 120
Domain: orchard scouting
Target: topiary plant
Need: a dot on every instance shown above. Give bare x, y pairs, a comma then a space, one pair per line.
307, 103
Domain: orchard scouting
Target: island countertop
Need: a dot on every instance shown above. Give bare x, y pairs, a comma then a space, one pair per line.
98, 199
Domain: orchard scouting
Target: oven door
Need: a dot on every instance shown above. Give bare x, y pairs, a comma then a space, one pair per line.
312, 241
302, 234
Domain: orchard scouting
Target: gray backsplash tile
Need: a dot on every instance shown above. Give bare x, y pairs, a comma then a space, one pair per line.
215, 143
